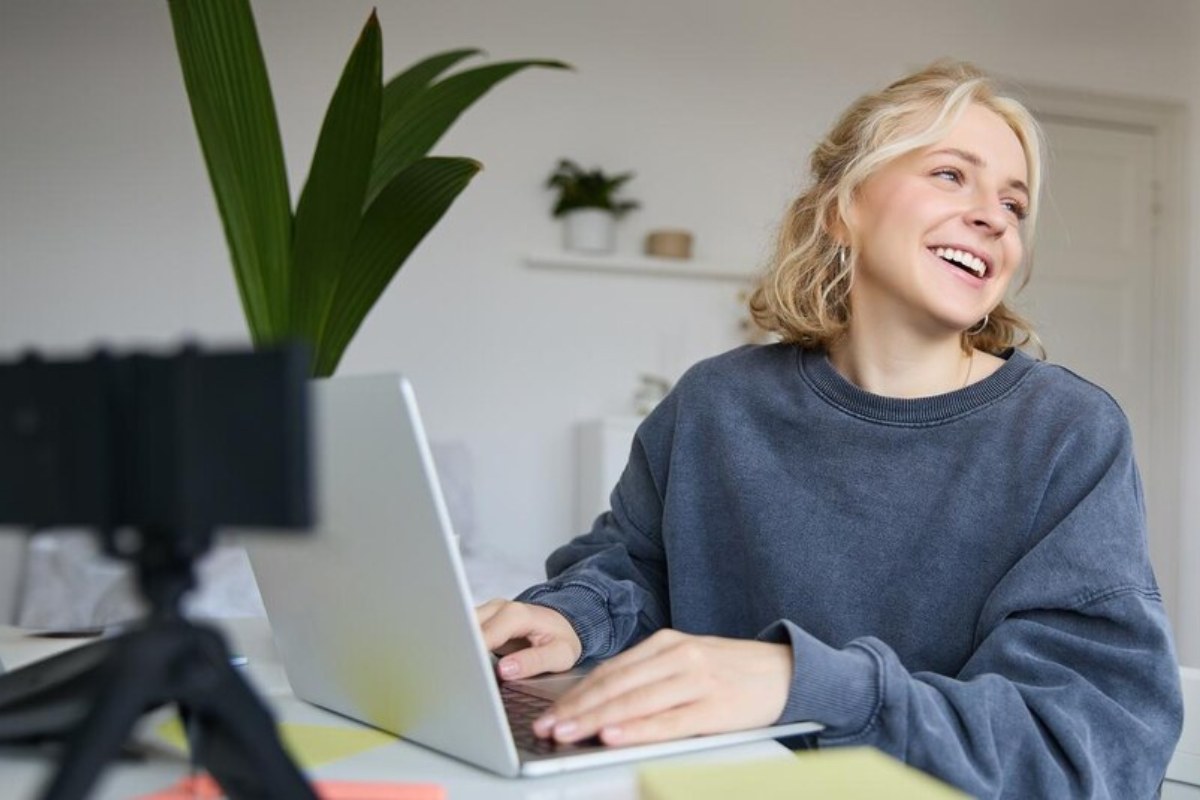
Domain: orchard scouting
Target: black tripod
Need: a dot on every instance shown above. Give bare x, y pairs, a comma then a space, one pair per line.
164, 449
101, 690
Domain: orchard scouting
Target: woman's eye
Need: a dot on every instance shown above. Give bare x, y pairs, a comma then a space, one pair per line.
949, 175
1018, 210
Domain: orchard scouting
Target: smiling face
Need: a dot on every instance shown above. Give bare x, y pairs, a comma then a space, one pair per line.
937, 231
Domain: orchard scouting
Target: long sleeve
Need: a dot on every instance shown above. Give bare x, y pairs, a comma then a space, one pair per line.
1072, 689
611, 583
1042, 710
964, 580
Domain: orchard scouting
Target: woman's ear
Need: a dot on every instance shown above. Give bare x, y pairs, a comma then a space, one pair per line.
838, 230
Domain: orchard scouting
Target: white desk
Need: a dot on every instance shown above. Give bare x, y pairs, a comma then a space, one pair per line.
22, 772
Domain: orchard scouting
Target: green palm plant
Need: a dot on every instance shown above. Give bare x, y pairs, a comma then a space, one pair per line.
372, 193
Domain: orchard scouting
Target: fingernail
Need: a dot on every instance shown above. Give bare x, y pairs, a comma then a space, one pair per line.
611, 734
543, 725
508, 668
564, 729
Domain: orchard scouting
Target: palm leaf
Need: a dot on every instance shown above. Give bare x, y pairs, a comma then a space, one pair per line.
230, 97
414, 80
371, 195
408, 133
393, 226
330, 207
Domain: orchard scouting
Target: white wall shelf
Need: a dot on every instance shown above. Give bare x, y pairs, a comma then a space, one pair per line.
639, 265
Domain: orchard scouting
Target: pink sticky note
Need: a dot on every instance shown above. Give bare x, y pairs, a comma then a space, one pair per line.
199, 787
376, 790
203, 787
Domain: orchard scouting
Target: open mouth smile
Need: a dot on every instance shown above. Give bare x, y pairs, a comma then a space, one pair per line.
966, 260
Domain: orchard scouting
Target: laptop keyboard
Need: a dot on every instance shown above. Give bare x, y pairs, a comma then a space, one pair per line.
522, 709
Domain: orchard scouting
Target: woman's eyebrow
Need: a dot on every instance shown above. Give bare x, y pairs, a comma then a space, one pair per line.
975, 160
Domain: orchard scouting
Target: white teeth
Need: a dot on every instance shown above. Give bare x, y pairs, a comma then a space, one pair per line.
969, 261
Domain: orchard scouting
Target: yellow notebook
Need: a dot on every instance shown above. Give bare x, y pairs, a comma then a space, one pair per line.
834, 774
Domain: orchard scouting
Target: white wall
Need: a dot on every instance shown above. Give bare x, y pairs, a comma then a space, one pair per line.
1188, 627
108, 230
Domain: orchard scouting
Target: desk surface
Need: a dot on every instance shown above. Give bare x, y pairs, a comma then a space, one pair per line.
22, 771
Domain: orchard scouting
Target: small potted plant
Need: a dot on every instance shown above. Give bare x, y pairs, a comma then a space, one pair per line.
588, 207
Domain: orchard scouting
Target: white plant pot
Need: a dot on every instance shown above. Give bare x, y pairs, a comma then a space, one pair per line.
590, 230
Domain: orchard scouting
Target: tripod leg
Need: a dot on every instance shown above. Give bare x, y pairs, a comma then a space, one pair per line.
240, 743
177, 661
130, 683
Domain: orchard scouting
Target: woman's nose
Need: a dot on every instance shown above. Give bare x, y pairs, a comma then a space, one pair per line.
990, 217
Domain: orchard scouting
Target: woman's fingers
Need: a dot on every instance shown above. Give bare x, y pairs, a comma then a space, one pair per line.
533, 639
488, 610
648, 663
646, 700
509, 621
485, 612
554, 656
678, 685
687, 720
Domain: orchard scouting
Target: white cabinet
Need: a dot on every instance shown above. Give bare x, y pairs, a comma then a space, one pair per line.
602, 448
1185, 766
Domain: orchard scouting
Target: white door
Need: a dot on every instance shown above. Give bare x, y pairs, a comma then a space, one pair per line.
1091, 296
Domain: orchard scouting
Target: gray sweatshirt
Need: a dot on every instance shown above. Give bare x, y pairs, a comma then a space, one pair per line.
963, 579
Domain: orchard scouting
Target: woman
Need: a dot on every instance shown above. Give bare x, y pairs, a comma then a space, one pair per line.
893, 522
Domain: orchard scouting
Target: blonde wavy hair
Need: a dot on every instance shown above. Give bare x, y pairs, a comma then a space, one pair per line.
804, 296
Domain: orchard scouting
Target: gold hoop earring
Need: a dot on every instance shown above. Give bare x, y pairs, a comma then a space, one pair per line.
978, 329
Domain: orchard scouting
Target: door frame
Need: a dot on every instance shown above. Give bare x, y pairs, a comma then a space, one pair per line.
1166, 123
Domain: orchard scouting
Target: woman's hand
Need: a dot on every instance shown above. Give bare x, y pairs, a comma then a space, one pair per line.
674, 685
534, 639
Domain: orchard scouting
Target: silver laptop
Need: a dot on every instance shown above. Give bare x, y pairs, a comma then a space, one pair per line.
372, 615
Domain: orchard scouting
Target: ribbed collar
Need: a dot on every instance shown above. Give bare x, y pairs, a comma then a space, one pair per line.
819, 373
